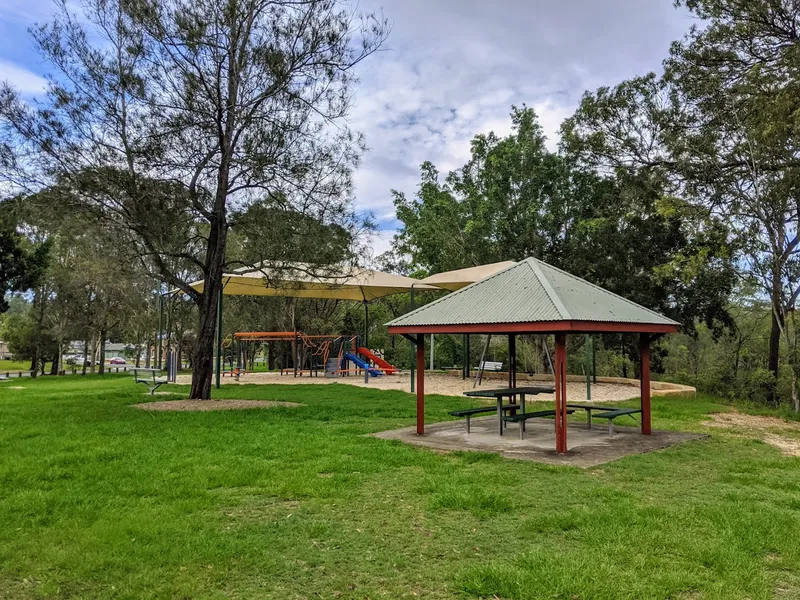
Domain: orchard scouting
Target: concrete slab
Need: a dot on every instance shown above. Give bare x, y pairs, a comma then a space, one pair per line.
586, 448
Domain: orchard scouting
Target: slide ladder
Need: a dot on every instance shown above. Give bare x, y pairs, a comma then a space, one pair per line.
378, 361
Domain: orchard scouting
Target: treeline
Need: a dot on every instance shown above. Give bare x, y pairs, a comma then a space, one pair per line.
679, 190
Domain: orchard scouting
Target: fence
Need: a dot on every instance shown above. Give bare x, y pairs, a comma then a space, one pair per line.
171, 367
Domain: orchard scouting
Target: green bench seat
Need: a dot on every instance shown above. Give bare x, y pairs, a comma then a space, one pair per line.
152, 378
613, 414
522, 417
469, 412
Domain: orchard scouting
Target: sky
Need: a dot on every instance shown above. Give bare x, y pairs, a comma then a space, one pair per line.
451, 69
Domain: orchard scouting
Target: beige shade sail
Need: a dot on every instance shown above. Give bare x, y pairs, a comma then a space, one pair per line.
455, 280
300, 280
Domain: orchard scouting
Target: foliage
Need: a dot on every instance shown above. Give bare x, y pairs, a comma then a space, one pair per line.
514, 199
167, 119
21, 266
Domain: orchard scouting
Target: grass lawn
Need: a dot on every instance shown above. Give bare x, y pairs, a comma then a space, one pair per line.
100, 500
18, 365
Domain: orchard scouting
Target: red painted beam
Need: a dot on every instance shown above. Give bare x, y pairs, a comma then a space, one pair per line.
543, 327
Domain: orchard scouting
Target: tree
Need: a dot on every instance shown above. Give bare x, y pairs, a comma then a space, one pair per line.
21, 262
622, 230
720, 127
220, 101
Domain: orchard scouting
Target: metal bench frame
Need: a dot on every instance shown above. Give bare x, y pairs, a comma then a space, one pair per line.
522, 417
469, 412
619, 412
151, 381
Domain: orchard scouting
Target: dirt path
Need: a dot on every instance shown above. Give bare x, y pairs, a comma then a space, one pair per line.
768, 429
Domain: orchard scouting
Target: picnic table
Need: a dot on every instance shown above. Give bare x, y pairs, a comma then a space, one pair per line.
511, 394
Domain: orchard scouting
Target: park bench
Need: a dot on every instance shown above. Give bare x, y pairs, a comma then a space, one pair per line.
613, 414
152, 378
589, 408
469, 412
522, 417
491, 366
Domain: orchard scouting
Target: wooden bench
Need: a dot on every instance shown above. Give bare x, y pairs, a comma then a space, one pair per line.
152, 378
589, 408
613, 414
480, 410
491, 366
522, 417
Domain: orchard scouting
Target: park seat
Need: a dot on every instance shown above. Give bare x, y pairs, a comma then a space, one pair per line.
589, 408
613, 414
488, 365
469, 412
522, 417
152, 378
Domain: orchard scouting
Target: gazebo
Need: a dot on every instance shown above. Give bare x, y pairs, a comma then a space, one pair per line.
532, 297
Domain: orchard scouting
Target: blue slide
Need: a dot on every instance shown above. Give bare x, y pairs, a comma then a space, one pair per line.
360, 363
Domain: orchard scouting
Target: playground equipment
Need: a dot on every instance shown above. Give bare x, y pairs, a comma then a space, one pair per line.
332, 354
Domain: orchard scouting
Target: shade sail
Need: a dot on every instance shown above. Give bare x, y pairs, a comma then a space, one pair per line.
301, 280
532, 296
455, 280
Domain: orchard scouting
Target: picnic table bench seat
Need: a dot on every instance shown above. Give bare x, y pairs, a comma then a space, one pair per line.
524, 416
589, 408
613, 414
152, 378
469, 412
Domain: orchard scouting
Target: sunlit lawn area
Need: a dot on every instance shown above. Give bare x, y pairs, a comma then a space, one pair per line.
101, 500
14, 366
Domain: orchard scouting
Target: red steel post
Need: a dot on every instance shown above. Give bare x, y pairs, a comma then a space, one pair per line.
644, 351
420, 384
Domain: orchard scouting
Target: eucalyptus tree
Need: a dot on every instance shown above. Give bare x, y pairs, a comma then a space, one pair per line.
223, 100
720, 127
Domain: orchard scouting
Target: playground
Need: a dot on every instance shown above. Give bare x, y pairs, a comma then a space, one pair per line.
438, 383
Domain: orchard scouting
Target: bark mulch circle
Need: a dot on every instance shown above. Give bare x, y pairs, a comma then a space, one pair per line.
207, 405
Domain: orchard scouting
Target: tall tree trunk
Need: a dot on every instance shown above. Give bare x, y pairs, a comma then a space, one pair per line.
203, 363
92, 356
147, 353
774, 356
102, 353
85, 356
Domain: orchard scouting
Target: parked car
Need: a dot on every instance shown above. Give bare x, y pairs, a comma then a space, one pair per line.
117, 361
78, 360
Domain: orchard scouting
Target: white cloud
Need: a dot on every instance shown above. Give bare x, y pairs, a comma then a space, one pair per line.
452, 69
22, 79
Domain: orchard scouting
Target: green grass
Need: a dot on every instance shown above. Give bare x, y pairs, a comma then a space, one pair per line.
18, 365
100, 500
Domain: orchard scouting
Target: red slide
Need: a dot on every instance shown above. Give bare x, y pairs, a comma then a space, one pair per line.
378, 361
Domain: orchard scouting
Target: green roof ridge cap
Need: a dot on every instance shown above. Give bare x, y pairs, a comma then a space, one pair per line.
623, 298
533, 263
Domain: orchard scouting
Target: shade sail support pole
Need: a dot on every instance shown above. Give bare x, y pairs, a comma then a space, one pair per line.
366, 337
219, 337
412, 345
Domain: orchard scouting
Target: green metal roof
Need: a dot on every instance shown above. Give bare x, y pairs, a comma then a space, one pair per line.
530, 291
